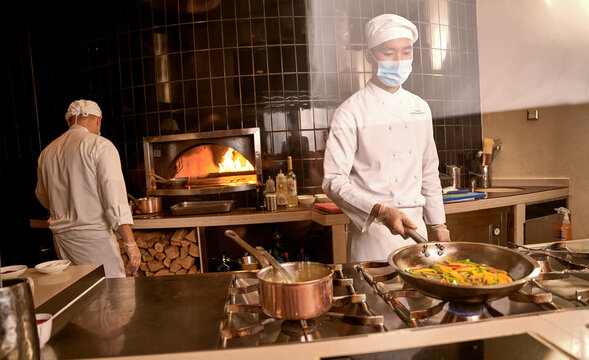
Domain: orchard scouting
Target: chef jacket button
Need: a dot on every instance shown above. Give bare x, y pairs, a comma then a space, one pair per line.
415, 201
400, 202
396, 180
390, 128
415, 176
406, 125
410, 151
394, 155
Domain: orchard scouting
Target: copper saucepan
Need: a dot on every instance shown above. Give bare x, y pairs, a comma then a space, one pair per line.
147, 205
309, 296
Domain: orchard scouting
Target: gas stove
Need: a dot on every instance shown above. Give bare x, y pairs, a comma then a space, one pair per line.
370, 297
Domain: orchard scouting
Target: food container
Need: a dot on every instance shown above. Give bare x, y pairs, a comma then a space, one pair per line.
271, 202
306, 200
202, 207
248, 262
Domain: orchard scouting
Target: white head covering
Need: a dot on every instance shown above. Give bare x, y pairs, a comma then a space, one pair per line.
386, 27
82, 108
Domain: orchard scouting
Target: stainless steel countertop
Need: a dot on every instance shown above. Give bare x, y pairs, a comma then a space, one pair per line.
145, 315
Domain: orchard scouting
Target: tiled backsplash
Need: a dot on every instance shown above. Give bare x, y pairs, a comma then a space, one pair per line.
164, 67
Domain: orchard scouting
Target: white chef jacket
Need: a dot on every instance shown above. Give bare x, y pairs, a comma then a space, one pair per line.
79, 179
381, 149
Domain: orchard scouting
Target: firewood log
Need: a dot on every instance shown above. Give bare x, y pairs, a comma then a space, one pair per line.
172, 252
175, 265
178, 235
152, 251
159, 256
158, 246
162, 272
193, 250
187, 262
143, 266
191, 236
181, 272
193, 269
125, 258
141, 243
183, 252
155, 266
167, 261
185, 243
147, 257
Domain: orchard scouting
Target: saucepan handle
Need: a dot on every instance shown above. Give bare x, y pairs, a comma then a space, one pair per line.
250, 249
415, 235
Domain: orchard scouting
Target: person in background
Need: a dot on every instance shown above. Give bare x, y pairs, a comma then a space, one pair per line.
381, 161
79, 179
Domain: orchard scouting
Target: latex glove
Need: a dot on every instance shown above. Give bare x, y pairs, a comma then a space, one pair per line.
134, 257
395, 220
441, 233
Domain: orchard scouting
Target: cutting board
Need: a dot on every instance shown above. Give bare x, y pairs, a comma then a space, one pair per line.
329, 208
462, 196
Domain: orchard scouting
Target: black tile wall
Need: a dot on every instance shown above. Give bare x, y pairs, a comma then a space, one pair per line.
165, 66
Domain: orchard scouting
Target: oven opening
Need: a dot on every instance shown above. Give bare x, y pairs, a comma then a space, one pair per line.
213, 165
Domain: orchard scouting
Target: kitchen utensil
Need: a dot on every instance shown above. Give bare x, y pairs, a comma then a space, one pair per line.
415, 236
496, 148
12, 272
202, 207
52, 267
147, 205
310, 296
174, 183
487, 150
248, 262
521, 268
259, 255
276, 265
18, 334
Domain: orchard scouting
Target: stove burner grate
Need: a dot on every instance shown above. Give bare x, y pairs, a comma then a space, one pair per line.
296, 328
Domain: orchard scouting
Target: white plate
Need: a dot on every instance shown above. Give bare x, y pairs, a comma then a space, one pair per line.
52, 267
12, 272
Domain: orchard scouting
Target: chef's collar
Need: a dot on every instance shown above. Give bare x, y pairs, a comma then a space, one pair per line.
384, 95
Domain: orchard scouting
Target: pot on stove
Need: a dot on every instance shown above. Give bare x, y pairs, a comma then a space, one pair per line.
147, 205
309, 296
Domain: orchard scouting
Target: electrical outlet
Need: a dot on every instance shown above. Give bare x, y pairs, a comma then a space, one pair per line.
533, 114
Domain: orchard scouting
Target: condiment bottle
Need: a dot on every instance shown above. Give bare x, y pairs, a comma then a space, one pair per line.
291, 185
281, 189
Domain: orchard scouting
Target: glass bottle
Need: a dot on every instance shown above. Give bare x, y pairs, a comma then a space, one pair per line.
291, 185
281, 189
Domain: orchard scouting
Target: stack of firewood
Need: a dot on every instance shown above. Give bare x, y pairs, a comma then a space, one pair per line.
166, 252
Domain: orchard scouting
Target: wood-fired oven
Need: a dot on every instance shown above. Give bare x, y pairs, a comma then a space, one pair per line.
214, 162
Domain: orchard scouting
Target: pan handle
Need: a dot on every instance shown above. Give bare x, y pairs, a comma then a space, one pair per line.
250, 249
415, 236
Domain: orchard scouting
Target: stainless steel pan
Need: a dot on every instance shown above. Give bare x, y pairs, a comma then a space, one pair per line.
521, 268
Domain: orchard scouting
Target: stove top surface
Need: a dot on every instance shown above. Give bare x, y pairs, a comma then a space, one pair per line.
369, 297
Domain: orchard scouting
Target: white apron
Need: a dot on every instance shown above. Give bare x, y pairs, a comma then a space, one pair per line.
377, 242
84, 247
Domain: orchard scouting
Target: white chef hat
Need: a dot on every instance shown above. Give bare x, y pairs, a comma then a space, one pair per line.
82, 108
386, 27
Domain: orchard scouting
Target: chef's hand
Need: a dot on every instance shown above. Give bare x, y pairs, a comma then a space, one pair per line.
395, 220
134, 257
441, 233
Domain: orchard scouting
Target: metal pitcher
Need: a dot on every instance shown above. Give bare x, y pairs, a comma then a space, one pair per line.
18, 327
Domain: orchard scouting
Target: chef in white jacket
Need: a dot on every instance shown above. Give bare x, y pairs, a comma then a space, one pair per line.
381, 162
79, 179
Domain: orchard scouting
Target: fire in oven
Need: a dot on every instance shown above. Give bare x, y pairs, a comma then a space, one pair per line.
203, 163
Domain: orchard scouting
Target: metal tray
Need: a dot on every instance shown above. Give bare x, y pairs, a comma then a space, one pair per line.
202, 207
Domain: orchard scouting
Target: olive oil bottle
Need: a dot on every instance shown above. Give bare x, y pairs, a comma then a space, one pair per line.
291, 185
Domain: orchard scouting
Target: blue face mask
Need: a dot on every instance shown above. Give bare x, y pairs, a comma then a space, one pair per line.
393, 72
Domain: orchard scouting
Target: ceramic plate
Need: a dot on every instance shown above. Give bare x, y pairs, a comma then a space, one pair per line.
52, 267
12, 272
